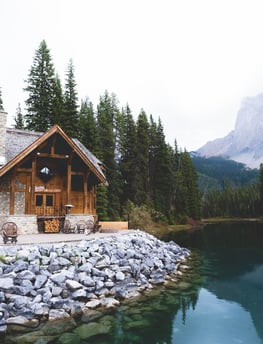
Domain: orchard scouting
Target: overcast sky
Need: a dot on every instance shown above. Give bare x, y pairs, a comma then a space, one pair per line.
189, 62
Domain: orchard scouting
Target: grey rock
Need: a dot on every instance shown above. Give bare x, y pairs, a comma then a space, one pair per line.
6, 283
120, 276
101, 272
40, 281
73, 285
57, 314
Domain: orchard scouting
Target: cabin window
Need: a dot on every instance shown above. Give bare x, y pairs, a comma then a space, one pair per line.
49, 201
39, 200
45, 174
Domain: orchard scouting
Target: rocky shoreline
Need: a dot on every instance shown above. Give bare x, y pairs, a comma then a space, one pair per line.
63, 280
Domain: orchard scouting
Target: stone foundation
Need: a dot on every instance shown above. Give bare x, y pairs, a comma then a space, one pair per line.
27, 224
74, 219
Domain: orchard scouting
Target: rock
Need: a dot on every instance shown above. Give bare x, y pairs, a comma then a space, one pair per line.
40, 281
109, 302
65, 279
6, 283
120, 276
92, 329
79, 294
20, 320
69, 338
73, 285
93, 304
56, 314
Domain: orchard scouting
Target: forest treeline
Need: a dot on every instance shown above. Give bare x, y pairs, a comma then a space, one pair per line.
229, 188
144, 172
142, 169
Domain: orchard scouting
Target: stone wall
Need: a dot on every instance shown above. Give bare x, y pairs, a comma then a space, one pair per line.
27, 224
74, 219
3, 120
4, 203
20, 199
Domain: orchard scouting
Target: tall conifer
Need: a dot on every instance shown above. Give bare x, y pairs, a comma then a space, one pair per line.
70, 118
128, 156
106, 116
58, 102
142, 160
19, 119
88, 131
161, 170
40, 89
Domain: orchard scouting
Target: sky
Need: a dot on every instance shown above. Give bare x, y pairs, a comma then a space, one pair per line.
188, 62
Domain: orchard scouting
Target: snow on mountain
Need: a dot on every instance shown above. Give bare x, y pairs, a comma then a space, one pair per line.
245, 143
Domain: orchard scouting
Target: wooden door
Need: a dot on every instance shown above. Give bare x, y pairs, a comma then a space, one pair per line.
47, 204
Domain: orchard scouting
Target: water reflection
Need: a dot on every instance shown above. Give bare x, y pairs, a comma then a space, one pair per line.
215, 321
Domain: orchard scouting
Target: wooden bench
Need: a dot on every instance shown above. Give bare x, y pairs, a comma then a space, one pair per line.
9, 232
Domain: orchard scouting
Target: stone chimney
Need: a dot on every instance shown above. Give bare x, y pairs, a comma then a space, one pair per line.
3, 123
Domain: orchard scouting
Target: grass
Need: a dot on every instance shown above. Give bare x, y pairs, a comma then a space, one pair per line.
157, 229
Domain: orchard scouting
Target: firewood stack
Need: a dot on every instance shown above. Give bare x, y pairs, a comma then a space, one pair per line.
52, 226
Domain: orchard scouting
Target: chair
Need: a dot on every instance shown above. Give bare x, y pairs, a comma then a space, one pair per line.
81, 226
9, 232
92, 227
68, 228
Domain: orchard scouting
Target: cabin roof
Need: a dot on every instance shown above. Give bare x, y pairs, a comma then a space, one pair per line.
19, 143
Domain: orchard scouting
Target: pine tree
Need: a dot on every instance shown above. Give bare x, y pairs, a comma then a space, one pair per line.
128, 155
142, 160
19, 119
40, 88
1, 101
88, 131
190, 181
106, 116
161, 170
179, 188
58, 103
70, 119
102, 203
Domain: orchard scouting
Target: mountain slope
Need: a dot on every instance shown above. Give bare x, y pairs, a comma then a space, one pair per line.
245, 143
215, 172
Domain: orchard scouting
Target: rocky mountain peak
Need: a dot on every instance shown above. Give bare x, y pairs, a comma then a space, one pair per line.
245, 143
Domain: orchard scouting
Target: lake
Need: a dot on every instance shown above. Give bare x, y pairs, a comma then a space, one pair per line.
218, 302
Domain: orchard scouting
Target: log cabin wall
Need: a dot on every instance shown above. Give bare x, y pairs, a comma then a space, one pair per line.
43, 172
19, 194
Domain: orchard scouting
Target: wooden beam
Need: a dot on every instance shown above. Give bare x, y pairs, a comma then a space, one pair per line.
12, 192
33, 183
54, 139
52, 155
85, 188
68, 183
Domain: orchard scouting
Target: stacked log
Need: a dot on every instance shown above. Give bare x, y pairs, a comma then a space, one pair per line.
52, 226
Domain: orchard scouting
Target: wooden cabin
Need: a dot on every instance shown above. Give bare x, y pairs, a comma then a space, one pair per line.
44, 176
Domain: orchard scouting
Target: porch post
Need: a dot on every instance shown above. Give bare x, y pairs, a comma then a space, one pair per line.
33, 184
68, 183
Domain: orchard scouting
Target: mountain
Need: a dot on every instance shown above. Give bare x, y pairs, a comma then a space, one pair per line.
216, 172
245, 143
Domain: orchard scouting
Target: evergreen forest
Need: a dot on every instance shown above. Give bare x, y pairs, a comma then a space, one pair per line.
144, 172
228, 188
146, 175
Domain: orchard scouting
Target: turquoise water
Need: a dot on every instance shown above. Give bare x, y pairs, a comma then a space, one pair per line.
219, 301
